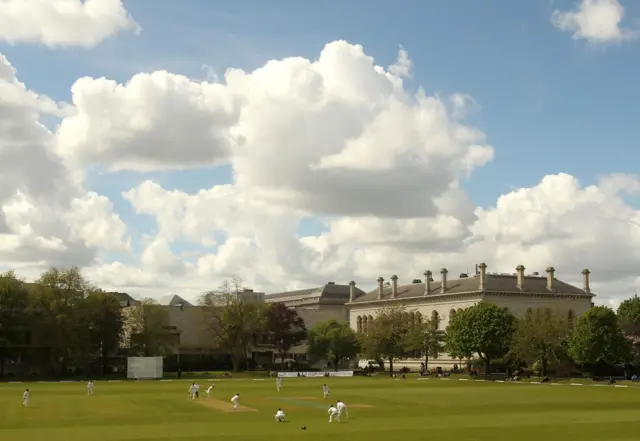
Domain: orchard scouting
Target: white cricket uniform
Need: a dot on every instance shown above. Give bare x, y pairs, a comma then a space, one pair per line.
90, 388
25, 398
342, 409
333, 413
279, 416
197, 390
279, 384
235, 400
208, 391
192, 391
325, 391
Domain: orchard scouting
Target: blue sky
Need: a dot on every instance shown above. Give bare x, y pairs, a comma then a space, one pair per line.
549, 103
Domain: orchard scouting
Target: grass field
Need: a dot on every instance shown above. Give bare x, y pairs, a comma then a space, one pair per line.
380, 409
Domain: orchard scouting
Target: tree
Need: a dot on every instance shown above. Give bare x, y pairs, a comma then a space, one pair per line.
386, 336
598, 340
540, 337
148, 328
284, 328
233, 322
485, 330
14, 302
426, 339
106, 324
629, 321
332, 341
59, 322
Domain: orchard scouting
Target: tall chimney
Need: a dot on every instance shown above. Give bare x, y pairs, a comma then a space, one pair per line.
427, 282
520, 270
585, 280
394, 286
483, 276
476, 273
352, 291
443, 285
380, 287
550, 276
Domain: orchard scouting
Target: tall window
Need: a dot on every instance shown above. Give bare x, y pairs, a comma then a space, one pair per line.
436, 319
359, 324
570, 319
452, 315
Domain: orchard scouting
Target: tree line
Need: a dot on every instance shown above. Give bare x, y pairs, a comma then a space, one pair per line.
61, 324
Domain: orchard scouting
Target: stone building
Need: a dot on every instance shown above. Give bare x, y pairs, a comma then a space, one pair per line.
443, 299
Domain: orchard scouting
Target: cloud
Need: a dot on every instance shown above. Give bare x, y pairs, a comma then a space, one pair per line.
337, 140
597, 21
57, 23
46, 217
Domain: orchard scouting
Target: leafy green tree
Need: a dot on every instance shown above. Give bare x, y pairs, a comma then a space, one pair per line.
285, 329
233, 323
106, 324
629, 321
147, 324
386, 336
540, 337
485, 330
59, 321
14, 302
426, 339
332, 341
597, 339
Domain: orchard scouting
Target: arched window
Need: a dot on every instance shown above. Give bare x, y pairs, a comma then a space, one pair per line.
570, 319
359, 320
436, 319
412, 319
418, 318
459, 310
370, 320
365, 324
452, 315
529, 314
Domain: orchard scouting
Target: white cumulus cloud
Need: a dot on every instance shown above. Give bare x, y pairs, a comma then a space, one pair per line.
597, 21
54, 23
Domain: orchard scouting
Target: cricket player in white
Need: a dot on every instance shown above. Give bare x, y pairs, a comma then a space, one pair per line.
25, 398
325, 391
279, 384
197, 390
279, 416
235, 400
333, 413
208, 391
192, 391
342, 409
90, 387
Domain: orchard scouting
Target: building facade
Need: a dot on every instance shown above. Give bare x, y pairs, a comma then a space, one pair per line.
443, 299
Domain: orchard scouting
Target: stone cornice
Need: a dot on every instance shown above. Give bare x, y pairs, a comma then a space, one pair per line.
468, 295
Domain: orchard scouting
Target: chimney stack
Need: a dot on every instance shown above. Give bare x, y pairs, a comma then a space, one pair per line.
585, 280
352, 291
443, 285
483, 276
394, 286
520, 270
427, 282
476, 273
380, 287
551, 271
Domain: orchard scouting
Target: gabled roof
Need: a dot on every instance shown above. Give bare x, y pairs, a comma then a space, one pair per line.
173, 300
494, 283
328, 290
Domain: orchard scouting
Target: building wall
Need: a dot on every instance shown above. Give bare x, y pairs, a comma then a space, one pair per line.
518, 305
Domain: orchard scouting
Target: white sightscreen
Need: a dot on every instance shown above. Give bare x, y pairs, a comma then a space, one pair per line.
144, 367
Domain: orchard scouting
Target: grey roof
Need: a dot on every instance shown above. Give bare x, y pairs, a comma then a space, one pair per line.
173, 300
123, 297
327, 290
494, 283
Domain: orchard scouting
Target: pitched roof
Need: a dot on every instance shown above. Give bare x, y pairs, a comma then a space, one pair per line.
173, 300
494, 283
328, 290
